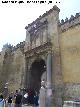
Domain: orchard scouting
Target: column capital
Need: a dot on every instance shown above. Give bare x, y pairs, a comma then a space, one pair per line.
49, 52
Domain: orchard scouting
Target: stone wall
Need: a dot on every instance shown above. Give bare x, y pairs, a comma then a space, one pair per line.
70, 58
1, 67
18, 67
65, 48
70, 54
12, 67
49, 34
72, 91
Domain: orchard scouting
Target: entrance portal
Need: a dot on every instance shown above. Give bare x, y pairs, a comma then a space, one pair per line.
38, 71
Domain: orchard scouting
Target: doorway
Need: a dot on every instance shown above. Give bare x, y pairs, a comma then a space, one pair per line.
38, 72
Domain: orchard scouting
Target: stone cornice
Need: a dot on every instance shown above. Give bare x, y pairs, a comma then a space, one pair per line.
45, 14
38, 50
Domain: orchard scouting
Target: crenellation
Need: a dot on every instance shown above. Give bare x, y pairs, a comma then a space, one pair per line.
72, 17
42, 16
68, 23
14, 48
66, 20
7, 48
60, 53
62, 21
23, 42
77, 15
18, 45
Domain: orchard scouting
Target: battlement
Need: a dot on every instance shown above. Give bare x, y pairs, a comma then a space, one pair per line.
68, 23
45, 14
19, 45
10, 48
63, 24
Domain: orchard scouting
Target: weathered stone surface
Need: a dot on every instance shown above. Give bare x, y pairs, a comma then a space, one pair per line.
70, 55
12, 70
42, 36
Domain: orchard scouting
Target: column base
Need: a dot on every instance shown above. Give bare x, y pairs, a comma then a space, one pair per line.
48, 97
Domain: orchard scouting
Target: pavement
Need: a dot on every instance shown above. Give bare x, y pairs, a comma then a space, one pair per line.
25, 105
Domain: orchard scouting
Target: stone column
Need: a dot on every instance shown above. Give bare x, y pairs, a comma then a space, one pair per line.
26, 73
49, 73
49, 70
28, 76
42, 95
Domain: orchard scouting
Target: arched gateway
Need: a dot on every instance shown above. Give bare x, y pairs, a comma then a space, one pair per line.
42, 56
38, 68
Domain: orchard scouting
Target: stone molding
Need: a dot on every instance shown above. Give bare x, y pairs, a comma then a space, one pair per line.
45, 14
38, 50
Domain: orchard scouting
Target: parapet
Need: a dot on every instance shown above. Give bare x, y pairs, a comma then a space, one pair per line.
68, 23
19, 45
10, 48
45, 14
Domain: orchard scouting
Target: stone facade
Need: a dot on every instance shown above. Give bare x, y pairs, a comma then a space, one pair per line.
51, 45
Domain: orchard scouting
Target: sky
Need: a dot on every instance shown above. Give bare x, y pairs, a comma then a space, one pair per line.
14, 17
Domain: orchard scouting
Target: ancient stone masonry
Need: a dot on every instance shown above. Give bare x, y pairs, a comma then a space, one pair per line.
40, 43
45, 14
68, 23
19, 45
50, 52
72, 90
9, 65
70, 56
